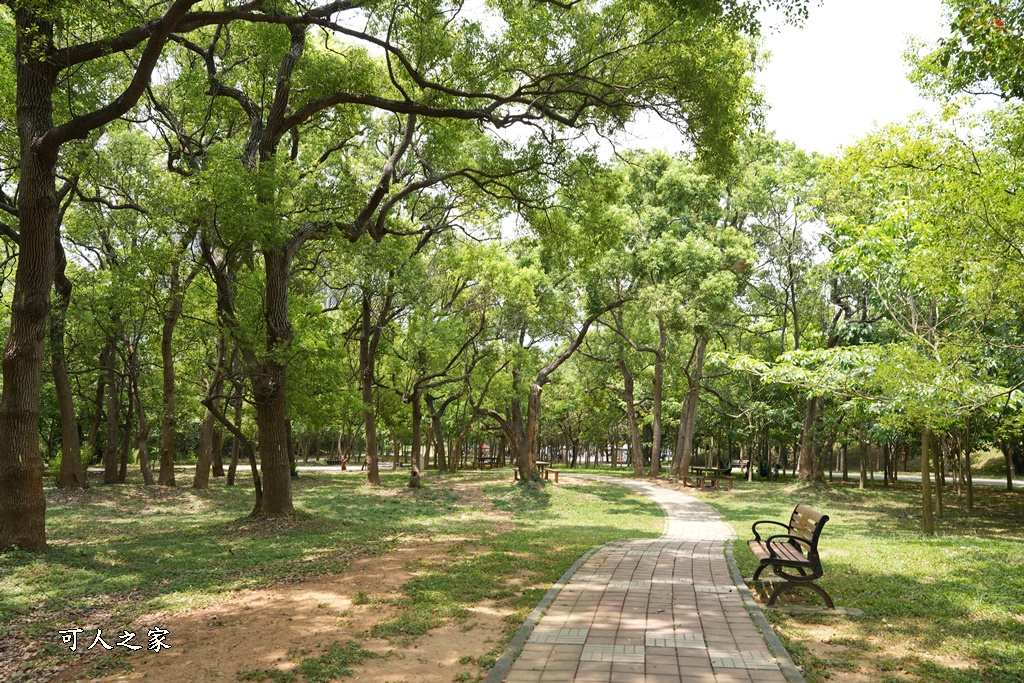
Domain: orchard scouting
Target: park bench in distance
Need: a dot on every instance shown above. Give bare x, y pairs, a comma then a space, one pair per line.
797, 549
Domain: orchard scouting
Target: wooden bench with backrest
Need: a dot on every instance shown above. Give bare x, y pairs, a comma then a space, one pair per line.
796, 548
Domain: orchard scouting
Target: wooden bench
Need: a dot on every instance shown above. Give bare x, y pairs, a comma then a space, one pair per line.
797, 549
547, 470
332, 461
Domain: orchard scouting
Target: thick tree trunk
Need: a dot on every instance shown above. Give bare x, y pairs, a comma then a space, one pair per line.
528, 469
218, 453
204, 455
269, 395
634, 429
169, 419
688, 417
807, 441
22, 503
269, 382
71, 473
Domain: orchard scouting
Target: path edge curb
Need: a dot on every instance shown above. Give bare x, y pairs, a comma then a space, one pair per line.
508, 657
786, 664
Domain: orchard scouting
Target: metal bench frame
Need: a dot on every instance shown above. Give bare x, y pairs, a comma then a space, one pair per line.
796, 549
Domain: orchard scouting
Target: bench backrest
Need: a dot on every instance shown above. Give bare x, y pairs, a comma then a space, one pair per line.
807, 524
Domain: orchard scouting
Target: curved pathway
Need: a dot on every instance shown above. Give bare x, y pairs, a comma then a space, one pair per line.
660, 610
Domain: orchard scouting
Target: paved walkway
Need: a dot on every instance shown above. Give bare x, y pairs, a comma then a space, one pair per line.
660, 610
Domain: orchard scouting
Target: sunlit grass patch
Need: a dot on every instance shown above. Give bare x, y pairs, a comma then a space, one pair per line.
948, 607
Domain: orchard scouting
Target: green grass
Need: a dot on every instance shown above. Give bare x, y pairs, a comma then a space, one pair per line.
959, 594
118, 552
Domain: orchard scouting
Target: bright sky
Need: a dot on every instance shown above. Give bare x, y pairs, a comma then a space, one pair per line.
843, 72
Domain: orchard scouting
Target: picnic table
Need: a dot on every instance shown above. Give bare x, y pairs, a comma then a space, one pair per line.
712, 474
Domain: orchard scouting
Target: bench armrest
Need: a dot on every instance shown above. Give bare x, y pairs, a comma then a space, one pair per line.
789, 537
757, 536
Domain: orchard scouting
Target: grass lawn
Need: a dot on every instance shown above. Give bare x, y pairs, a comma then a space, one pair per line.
944, 608
118, 552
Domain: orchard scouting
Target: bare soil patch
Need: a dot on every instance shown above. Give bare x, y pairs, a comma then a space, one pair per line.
276, 627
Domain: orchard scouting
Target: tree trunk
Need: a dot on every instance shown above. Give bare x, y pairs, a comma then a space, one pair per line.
71, 473
688, 418
634, 429
22, 503
292, 469
113, 408
235, 444
97, 418
967, 467
417, 430
807, 441
126, 440
366, 375
440, 457
218, 452
939, 481
658, 390
169, 419
1007, 448
927, 521
142, 435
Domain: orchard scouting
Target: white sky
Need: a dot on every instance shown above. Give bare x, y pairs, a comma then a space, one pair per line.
843, 72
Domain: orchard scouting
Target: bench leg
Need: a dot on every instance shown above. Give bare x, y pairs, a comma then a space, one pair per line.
515, 474
556, 475
785, 585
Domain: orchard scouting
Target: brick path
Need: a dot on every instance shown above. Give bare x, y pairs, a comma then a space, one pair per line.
660, 610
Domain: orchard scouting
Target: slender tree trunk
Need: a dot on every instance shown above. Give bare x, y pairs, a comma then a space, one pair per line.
846, 464
927, 521
113, 408
417, 430
658, 390
204, 458
142, 434
97, 417
366, 375
235, 444
937, 450
1007, 448
440, 457
72, 474
169, 419
634, 429
125, 440
688, 418
967, 467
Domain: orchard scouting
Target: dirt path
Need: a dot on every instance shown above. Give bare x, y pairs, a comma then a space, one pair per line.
275, 627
